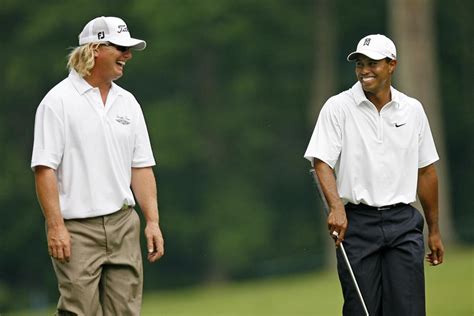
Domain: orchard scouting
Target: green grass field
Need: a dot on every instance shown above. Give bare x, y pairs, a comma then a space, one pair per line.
449, 291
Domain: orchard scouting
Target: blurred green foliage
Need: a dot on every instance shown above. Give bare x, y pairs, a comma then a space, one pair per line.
225, 87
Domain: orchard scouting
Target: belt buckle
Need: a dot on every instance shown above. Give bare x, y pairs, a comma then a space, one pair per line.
384, 208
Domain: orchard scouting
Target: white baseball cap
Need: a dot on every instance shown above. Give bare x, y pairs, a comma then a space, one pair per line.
109, 29
376, 47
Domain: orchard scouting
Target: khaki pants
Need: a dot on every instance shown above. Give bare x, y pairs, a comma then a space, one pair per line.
105, 274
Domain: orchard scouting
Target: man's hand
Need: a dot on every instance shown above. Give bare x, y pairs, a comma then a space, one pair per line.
59, 240
337, 220
435, 244
144, 188
427, 190
59, 243
337, 223
154, 242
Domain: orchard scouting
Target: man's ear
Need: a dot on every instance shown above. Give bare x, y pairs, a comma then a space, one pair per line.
392, 64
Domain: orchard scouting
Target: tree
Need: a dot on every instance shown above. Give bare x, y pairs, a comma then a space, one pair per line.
326, 35
324, 80
412, 25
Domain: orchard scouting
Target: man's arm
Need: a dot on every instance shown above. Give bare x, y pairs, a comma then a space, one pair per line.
337, 220
144, 188
428, 193
59, 241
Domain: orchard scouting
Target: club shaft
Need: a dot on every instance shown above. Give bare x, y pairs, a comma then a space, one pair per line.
341, 246
348, 264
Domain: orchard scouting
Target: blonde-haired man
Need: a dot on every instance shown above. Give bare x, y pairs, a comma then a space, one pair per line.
91, 150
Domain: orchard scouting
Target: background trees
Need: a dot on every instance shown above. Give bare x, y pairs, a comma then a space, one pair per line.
226, 87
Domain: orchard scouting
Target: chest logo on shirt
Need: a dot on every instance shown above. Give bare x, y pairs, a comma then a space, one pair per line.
123, 120
399, 125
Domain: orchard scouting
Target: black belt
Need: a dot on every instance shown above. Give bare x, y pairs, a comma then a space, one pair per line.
374, 208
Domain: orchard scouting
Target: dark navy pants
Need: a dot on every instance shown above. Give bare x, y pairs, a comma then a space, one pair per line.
386, 252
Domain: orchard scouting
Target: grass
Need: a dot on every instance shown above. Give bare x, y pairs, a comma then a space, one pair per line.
308, 294
449, 291
450, 286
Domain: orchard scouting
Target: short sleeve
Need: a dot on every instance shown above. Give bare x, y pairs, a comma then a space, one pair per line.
427, 153
48, 144
142, 152
326, 141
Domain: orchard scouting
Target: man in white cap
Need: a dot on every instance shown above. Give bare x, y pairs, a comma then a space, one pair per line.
91, 151
373, 152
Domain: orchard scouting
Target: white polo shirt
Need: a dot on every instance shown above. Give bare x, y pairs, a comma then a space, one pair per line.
91, 146
375, 155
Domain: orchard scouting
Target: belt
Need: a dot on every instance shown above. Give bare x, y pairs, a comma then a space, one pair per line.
362, 206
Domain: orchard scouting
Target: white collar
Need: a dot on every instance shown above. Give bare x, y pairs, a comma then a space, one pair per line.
360, 97
82, 86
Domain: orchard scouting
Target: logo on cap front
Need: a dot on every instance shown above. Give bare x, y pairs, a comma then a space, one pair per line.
100, 35
366, 42
122, 28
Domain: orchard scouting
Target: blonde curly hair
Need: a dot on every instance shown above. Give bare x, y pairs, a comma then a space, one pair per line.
81, 58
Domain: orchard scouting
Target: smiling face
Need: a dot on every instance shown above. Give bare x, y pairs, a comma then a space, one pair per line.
110, 62
375, 76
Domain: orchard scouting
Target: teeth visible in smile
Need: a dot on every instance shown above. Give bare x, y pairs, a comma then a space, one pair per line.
121, 63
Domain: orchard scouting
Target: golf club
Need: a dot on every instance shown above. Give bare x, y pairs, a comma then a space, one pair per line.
336, 235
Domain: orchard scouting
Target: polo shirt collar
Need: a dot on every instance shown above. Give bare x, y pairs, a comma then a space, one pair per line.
395, 97
79, 83
359, 95
82, 86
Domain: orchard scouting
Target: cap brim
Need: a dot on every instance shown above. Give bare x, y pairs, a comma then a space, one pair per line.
371, 54
133, 43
